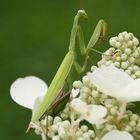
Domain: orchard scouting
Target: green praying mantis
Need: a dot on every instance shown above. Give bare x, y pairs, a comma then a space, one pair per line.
55, 95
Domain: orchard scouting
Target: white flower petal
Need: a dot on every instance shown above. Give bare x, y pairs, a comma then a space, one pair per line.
79, 105
74, 92
37, 102
110, 80
117, 135
131, 92
25, 91
95, 114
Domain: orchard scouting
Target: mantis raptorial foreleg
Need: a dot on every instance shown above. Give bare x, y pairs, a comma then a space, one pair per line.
97, 36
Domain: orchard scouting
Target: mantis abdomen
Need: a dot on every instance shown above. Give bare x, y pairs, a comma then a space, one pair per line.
56, 85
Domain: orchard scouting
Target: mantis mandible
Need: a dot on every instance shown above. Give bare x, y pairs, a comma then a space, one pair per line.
68, 62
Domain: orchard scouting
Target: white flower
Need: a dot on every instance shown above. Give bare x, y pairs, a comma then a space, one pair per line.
94, 114
116, 83
117, 135
74, 92
28, 91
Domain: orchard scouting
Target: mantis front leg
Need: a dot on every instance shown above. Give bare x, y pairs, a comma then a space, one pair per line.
97, 36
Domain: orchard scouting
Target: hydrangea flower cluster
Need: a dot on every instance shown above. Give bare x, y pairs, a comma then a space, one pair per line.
98, 108
123, 54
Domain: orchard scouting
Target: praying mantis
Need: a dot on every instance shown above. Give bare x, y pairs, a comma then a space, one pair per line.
54, 94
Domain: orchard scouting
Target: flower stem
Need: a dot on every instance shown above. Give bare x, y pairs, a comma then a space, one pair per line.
43, 136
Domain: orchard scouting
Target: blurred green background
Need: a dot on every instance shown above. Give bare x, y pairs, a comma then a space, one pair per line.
34, 37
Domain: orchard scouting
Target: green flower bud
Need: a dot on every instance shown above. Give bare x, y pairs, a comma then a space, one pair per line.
95, 94
127, 51
51, 134
106, 56
56, 138
100, 126
97, 138
80, 138
128, 128
134, 117
108, 63
117, 45
138, 49
99, 64
50, 120
86, 80
124, 57
109, 127
37, 132
117, 64
135, 68
131, 35
130, 68
133, 76
131, 60
93, 68
110, 118
84, 128
90, 98
136, 54
124, 33
63, 135
132, 123
118, 58
128, 71
135, 41
111, 50
57, 119
77, 84
113, 111
64, 115
120, 38
130, 43
112, 41
54, 128
91, 133
86, 136
127, 37
138, 120
66, 110
66, 124
85, 91
79, 133
137, 74
124, 65
124, 46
